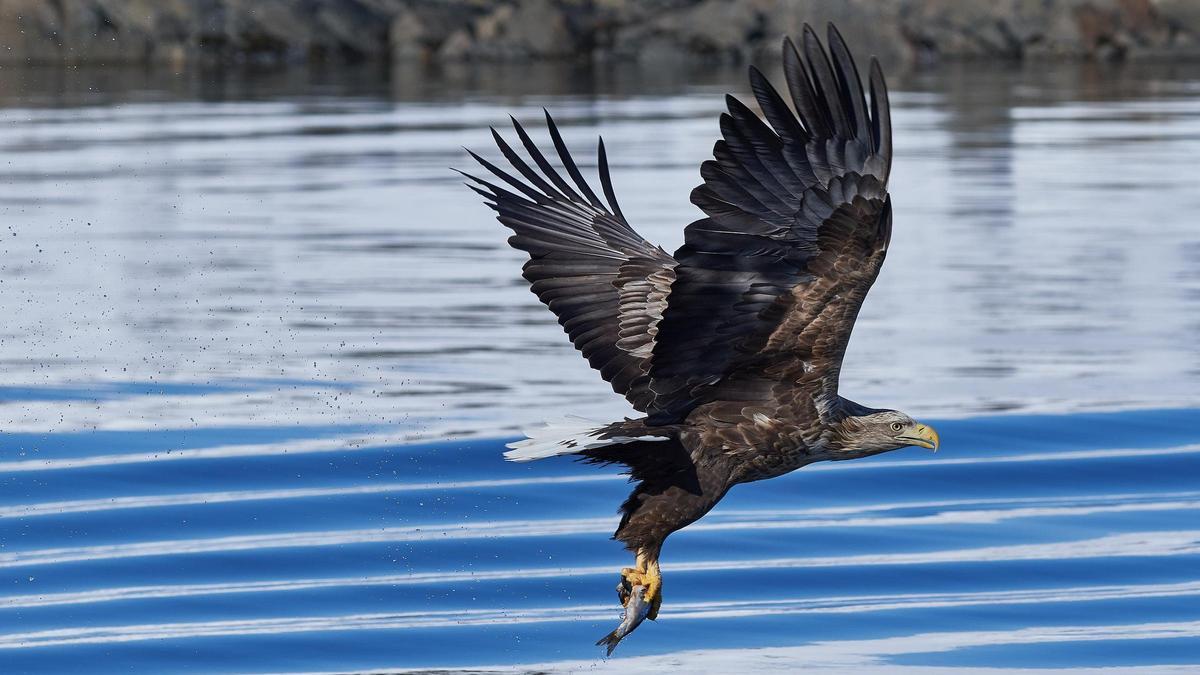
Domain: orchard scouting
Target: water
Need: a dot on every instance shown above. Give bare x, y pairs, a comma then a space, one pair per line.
261, 350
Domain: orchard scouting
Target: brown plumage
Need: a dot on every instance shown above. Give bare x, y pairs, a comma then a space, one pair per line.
733, 346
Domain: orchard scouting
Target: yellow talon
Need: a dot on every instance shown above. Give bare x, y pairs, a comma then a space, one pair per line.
651, 580
654, 596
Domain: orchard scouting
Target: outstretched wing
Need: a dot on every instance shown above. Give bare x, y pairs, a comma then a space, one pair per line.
606, 284
769, 284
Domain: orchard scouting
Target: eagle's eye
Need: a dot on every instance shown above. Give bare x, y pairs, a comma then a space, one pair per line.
896, 426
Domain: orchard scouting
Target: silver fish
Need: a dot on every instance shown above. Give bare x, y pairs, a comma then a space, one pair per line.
636, 610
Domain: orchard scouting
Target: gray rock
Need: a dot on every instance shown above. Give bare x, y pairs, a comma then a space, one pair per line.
724, 29
527, 29
457, 47
408, 36
141, 31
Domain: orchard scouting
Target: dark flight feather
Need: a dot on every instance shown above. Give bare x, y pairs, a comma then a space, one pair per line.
605, 283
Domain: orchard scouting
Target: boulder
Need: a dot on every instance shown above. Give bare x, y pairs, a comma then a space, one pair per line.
725, 30
528, 29
140, 31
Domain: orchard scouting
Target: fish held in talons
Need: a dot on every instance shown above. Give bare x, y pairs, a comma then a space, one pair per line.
637, 608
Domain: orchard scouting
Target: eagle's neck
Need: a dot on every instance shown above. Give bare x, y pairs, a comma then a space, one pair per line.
844, 407
841, 427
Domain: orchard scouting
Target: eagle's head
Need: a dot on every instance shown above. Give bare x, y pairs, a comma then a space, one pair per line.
874, 431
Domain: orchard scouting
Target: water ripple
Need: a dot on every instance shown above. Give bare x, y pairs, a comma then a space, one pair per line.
714, 610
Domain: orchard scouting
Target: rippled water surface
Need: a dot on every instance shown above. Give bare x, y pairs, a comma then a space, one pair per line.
261, 350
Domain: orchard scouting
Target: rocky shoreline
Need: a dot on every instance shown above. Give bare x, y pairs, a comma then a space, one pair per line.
284, 31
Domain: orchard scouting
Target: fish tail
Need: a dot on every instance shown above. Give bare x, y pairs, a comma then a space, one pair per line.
610, 641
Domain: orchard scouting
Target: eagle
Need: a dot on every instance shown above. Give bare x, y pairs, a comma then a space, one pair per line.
732, 347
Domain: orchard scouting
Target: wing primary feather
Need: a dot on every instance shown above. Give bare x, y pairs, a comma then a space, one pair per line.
543, 163
726, 159
496, 189
569, 163
489, 197
726, 188
849, 83
547, 201
881, 116
504, 176
758, 149
825, 86
776, 111
815, 119
766, 144
606, 180
520, 165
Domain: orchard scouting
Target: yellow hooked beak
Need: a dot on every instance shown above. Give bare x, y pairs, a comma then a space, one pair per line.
923, 436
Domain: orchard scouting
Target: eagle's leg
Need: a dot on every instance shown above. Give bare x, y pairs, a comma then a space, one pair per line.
645, 573
672, 493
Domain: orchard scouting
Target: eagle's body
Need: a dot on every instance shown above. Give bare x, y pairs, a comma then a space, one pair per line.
732, 347
683, 475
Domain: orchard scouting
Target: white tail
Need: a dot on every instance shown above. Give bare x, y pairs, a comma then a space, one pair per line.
567, 436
